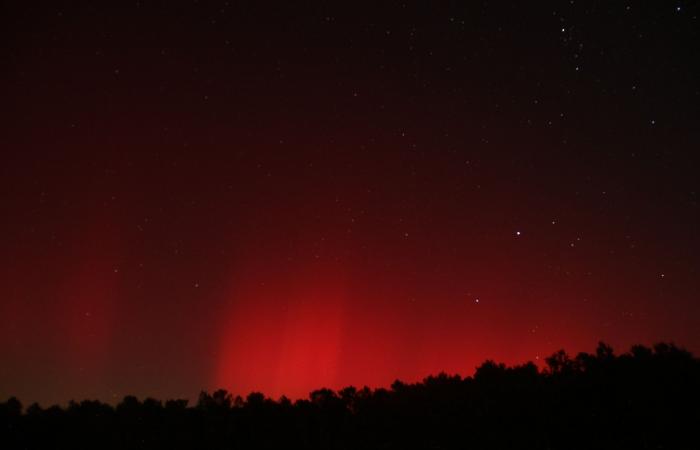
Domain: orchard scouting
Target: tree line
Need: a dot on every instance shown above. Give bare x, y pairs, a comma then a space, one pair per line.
643, 399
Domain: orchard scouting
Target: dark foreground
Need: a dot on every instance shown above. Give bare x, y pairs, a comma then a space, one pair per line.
644, 399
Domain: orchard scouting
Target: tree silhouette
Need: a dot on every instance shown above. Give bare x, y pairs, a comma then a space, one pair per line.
646, 398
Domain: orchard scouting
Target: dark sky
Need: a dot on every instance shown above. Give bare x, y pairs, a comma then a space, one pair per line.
281, 197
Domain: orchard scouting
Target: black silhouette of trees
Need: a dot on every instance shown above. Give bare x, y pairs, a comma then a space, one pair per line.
646, 398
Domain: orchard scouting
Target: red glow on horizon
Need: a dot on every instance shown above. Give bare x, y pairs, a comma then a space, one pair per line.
313, 328
284, 337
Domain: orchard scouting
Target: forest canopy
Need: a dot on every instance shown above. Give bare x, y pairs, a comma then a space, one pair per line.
645, 398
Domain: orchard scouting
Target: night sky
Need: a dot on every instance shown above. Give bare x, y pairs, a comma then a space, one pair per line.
281, 197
